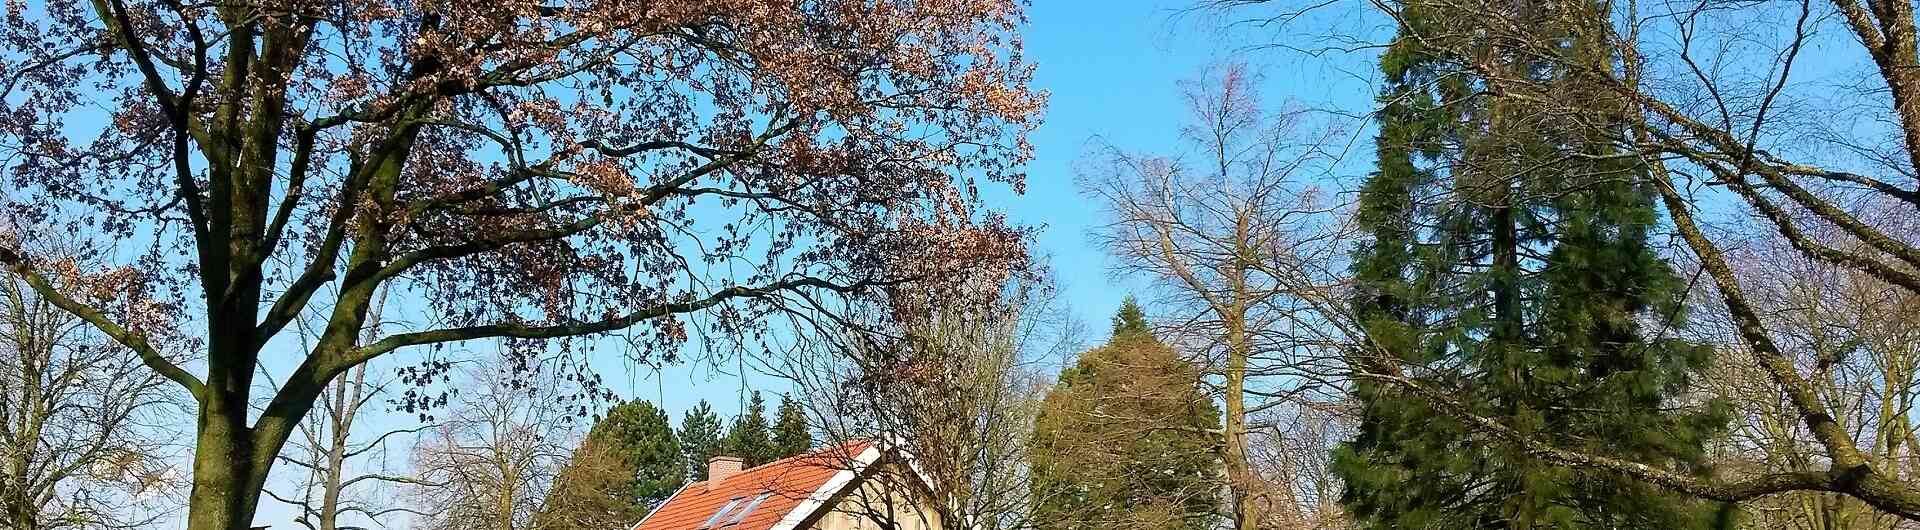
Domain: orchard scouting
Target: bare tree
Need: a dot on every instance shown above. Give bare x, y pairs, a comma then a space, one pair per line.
957, 390
1293, 457
1853, 334
489, 465
327, 455
82, 437
1234, 233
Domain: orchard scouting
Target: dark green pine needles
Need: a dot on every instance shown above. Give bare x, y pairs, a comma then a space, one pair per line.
1509, 265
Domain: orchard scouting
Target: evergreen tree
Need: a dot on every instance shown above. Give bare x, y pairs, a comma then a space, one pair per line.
790, 433
1130, 319
701, 438
628, 463
1125, 440
751, 438
1553, 345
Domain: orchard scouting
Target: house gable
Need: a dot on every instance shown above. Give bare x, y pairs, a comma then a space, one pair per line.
780, 495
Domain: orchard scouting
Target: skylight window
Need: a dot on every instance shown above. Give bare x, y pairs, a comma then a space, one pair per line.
748, 509
730, 515
723, 511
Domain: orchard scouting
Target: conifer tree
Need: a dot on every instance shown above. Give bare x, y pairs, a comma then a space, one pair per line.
628, 463
1126, 440
751, 438
1525, 293
1130, 319
702, 436
791, 436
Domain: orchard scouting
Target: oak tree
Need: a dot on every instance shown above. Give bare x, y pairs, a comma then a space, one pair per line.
81, 440
522, 170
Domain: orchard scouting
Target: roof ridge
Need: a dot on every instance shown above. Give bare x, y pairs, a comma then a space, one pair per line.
847, 446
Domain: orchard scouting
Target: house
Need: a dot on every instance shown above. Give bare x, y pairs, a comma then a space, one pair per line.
855, 486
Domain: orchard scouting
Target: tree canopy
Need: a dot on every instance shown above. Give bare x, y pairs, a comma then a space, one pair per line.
1520, 282
791, 433
702, 436
1126, 440
627, 464
526, 171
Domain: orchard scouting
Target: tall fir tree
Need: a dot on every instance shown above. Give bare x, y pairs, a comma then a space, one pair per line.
628, 463
791, 436
702, 436
1130, 319
1126, 440
750, 437
1525, 294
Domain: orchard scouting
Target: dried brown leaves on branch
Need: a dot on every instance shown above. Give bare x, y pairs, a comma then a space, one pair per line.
519, 169
83, 430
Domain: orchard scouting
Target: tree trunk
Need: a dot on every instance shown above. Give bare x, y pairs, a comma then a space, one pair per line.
226, 487
1241, 482
344, 404
1240, 479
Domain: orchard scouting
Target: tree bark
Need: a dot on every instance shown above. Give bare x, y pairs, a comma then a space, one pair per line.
1241, 481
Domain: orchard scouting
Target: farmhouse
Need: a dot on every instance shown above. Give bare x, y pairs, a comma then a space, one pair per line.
855, 486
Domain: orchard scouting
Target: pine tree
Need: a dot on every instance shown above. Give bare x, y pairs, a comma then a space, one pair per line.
701, 438
1552, 346
1125, 440
751, 438
791, 435
1130, 319
629, 462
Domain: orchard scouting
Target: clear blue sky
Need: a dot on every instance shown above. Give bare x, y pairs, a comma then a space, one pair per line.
1111, 69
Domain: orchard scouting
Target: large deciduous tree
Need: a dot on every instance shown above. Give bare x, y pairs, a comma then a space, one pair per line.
341, 474
79, 447
522, 170
492, 462
956, 386
1235, 236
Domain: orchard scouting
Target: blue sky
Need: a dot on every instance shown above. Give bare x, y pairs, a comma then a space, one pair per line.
1111, 69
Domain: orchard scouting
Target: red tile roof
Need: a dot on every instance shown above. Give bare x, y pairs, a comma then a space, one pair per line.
787, 483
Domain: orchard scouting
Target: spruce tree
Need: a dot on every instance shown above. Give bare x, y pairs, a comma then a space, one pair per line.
702, 436
1130, 319
1525, 293
1126, 440
791, 436
751, 438
628, 463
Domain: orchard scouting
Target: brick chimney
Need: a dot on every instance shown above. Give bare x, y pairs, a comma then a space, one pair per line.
720, 467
